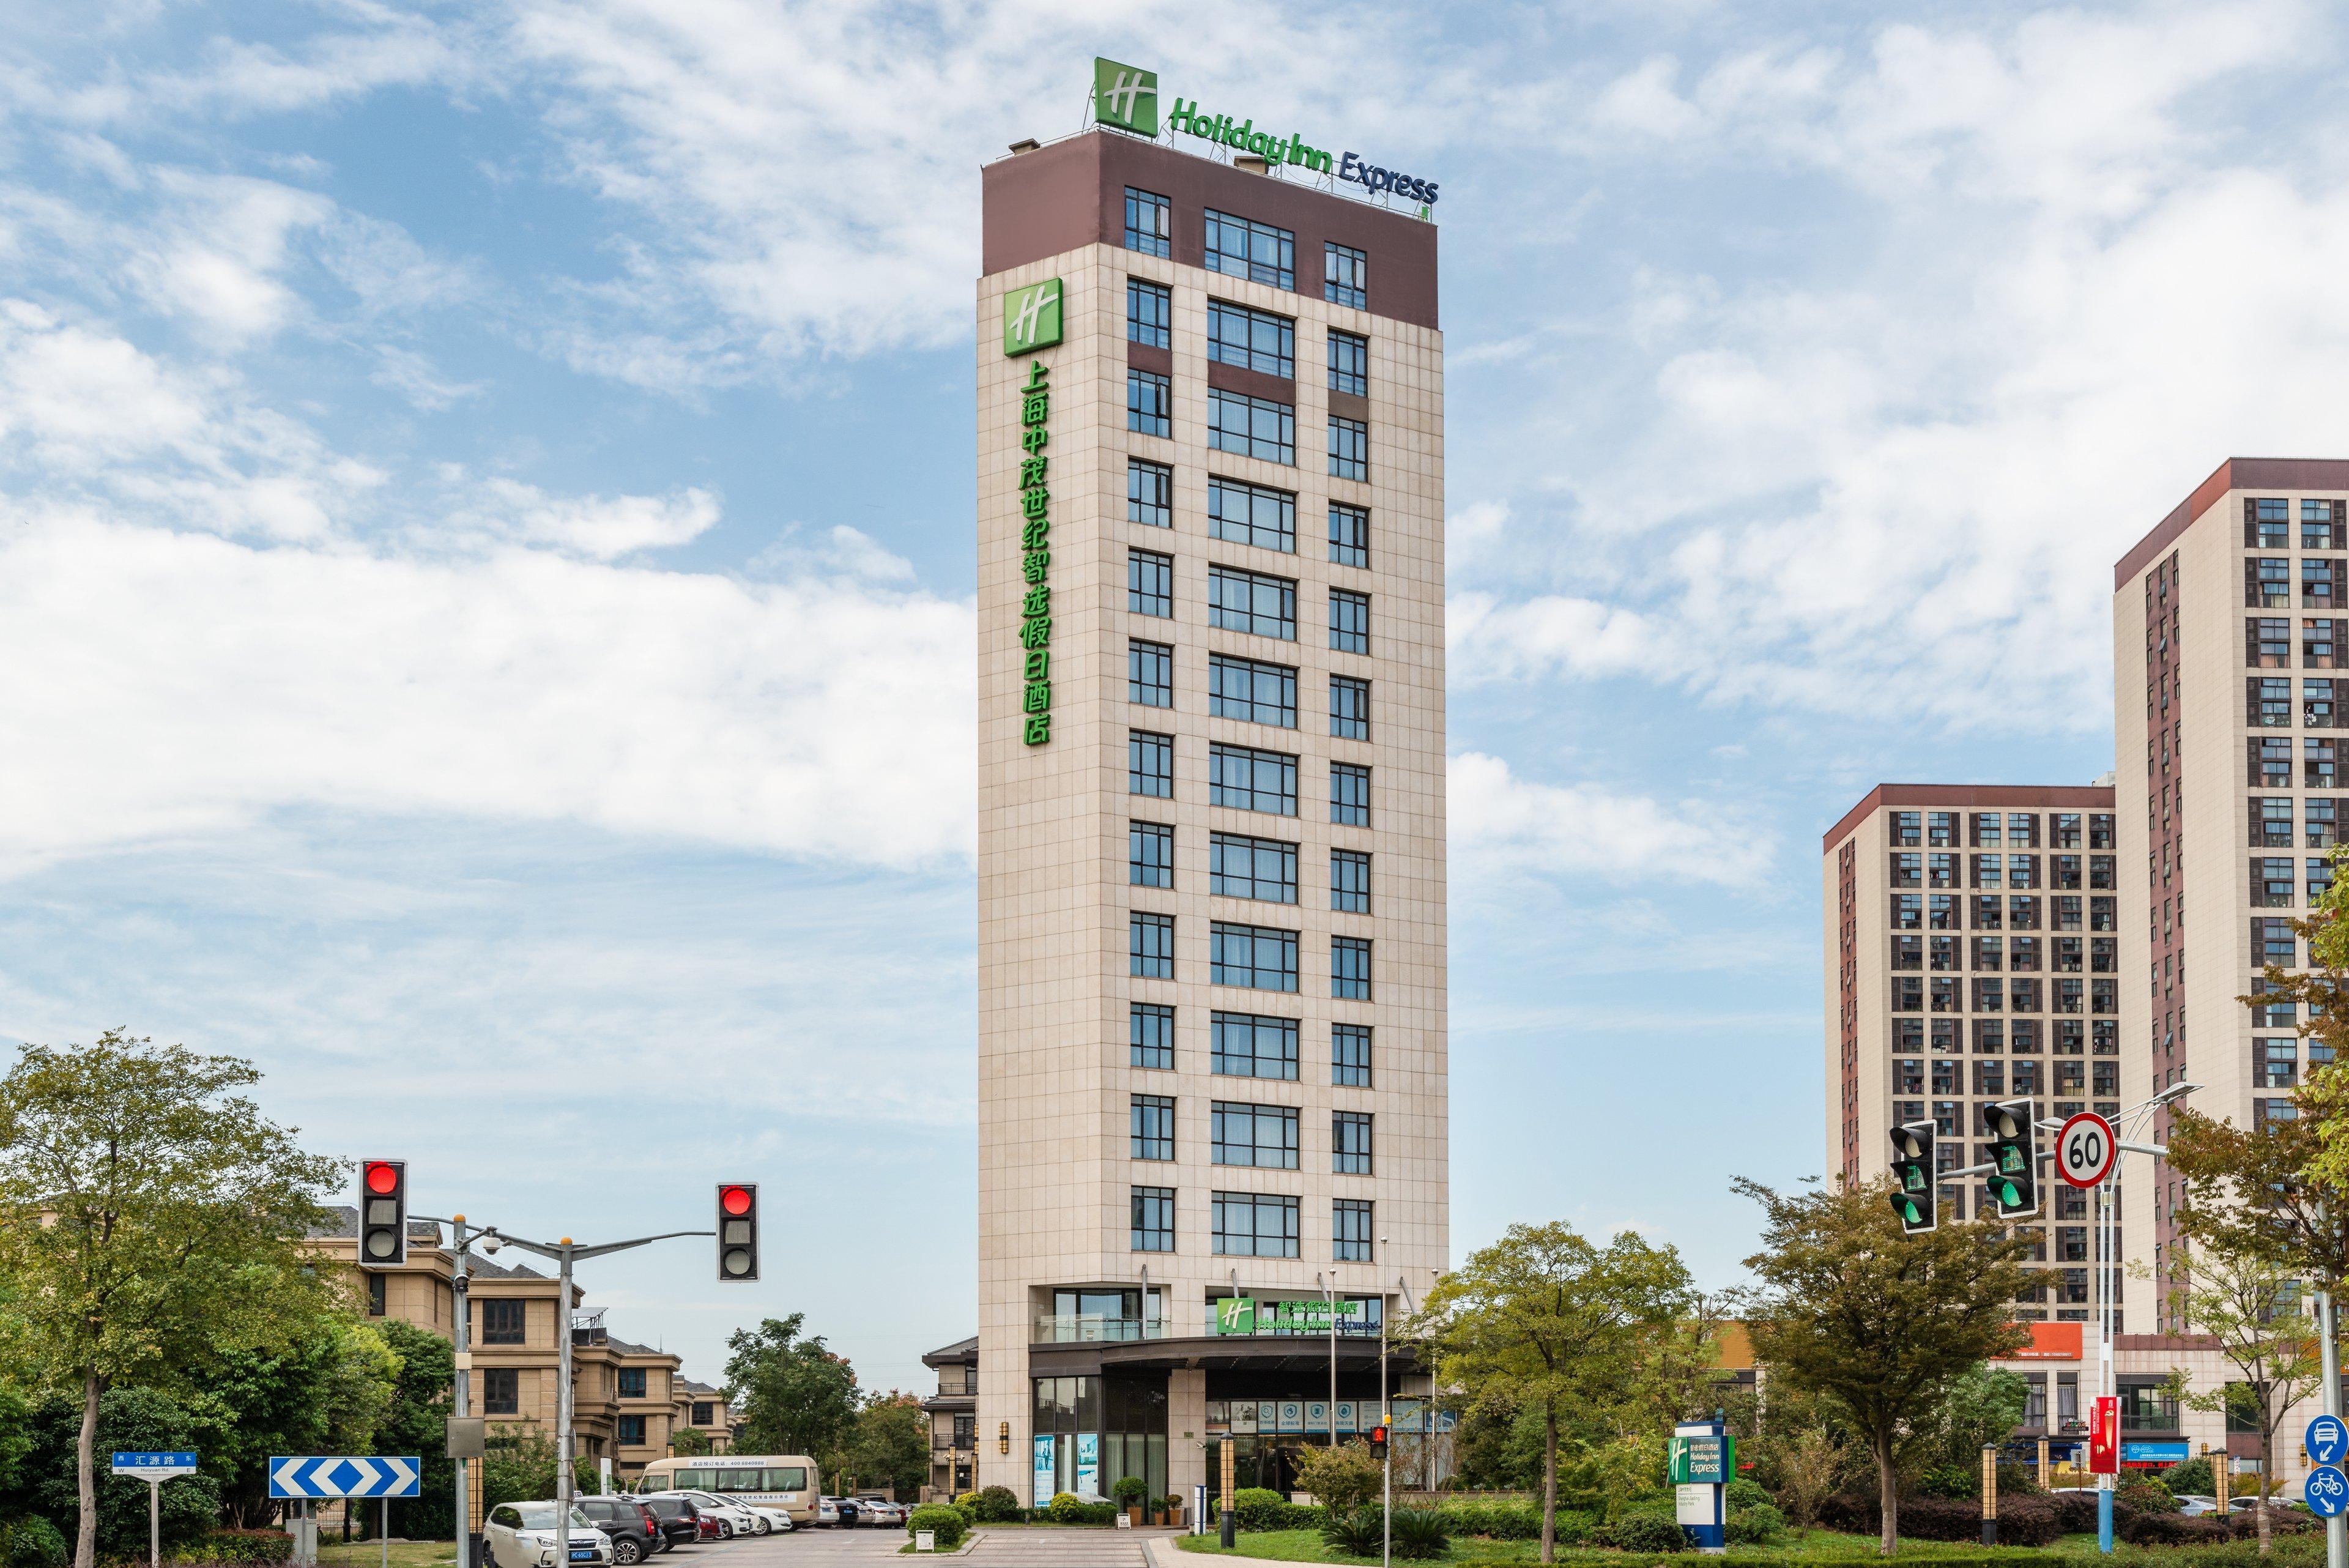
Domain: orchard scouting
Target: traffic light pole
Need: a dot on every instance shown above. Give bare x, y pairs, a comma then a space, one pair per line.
565, 1254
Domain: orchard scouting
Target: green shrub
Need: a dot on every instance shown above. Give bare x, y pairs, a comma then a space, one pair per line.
1647, 1533
1419, 1533
1343, 1477
1356, 1532
1755, 1526
2145, 1495
1955, 1482
34, 1542
942, 1518
1129, 1491
235, 1546
1066, 1507
1259, 1508
2188, 1475
1746, 1492
996, 1505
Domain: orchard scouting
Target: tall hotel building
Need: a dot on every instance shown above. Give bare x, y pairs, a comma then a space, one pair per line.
1212, 962
2233, 610
1975, 947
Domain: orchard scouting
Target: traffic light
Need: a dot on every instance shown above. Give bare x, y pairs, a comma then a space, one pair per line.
1912, 1177
1378, 1442
383, 1213
2014, 1159
738, 1231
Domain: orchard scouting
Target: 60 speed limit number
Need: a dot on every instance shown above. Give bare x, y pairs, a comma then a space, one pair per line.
2085, 1149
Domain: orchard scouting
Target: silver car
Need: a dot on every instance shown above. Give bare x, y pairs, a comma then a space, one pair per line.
521, 1535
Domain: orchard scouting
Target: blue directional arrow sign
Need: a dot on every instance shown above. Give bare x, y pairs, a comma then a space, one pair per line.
344, 1475
2327, 1492
2327, 1440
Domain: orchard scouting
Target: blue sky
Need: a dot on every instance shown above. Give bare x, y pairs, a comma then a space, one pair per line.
486, 549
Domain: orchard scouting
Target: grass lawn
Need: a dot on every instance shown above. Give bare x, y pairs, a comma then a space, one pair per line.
335, 1553
1812, 1546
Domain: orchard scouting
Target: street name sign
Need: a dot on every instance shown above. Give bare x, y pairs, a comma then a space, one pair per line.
155, 1466
2085, 1149
2327, 1440
344, 1475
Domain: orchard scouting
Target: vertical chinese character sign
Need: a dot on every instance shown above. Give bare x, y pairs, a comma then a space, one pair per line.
1031, 320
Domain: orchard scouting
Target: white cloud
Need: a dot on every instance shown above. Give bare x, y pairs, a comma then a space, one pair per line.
215, 246
188, 684
1505, 826
608, 526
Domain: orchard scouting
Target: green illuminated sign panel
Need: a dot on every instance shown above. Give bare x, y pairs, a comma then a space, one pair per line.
1246, 1315
1126, 96
1700, 1460
1031, 320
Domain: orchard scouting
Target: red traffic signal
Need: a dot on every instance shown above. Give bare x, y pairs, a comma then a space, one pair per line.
738, 1231
1378, 1442
383, 1213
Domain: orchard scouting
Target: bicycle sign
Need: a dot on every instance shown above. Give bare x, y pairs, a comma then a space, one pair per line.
2085, 1149
2327, 1492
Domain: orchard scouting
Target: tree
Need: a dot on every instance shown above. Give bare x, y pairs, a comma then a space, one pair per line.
115, 1508
2264, 1333
685, 1441
889, 1445
150, 1219
1543, 1319
794, 1395
1881, 1324
325, 1391
416, 1421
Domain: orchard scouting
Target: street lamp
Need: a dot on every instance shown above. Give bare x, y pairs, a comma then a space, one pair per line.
1386, 1420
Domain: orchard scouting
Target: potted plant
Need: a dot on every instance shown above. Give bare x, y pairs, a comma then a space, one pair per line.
1129, 1492
1174, 1507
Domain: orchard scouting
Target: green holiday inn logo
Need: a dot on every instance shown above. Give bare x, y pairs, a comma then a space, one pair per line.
1236, 1315
1032, 318
1125, 96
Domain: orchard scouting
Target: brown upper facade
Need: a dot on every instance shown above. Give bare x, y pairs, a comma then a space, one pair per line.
1062, 197
2235, 474
2084, 797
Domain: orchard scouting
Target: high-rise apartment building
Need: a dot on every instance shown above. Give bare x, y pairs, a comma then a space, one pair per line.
1212, 960
1974, 950
2240, 588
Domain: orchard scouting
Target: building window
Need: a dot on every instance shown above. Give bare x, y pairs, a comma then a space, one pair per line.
1263, 1136
1242, 867
1238, 247
1349, 794
501, 1322
1148, 855
1154, 1219
1349, 448
1149, 494
1350, 621
1349, 967
1149, 403
1252, 339
705, 1412
1251, 780
1150, 945
1349, 535
1249, 689
502, 1386
1350, 1143
1349, 1231
1262, 958
1345, 277
1149, 583
1150, 1034
1349, 882
1149, 313
1252, 427
1350, 1054
631, 1431
631, 1382
1149, 765
375, 1295
1150, 674
1349, 364
1247, 1045
1152, 1125
1252, 514
1252, 602
1246, 1225
1349, 708
1149, 222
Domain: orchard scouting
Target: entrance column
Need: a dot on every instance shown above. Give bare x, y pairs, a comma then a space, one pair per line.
1186, 1430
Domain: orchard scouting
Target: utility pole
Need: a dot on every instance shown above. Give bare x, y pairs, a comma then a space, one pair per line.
1386, 1420
2336, 1529
462, 1339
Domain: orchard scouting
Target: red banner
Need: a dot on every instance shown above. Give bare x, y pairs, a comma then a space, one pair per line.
2104, 1436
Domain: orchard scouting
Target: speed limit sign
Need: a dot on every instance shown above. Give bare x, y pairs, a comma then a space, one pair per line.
2084, 1150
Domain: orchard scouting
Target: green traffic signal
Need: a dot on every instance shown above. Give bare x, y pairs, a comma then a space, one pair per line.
1914, 1200
2015, 1156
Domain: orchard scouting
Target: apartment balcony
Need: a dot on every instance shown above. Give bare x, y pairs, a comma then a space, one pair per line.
1094, 1328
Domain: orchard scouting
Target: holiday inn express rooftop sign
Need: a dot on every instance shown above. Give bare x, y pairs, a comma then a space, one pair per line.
1126, 96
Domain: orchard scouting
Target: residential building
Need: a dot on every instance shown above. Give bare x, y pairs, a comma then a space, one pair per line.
1212, 1055
1973, 953
953, 1421
704, 1409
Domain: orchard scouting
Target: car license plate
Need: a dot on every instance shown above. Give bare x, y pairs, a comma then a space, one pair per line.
583, 1555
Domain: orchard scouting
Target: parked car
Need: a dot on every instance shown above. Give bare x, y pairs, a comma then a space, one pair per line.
777, 1520
740, 1520
2194, 1504
845, 1512
521, 1535
630, 1526
680, 1522
827, 1510
712, 1523
876, 1509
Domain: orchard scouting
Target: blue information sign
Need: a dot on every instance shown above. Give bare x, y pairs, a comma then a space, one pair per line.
2327, 1492
2327, 1440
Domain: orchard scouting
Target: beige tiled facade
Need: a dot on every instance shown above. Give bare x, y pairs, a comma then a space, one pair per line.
1056, 1074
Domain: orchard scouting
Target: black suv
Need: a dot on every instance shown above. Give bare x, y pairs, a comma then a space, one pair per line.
627, 1521
680, 1522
